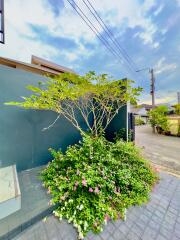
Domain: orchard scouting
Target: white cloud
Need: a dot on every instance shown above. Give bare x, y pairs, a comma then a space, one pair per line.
164, 31
162, 66
161, 97
159, 10
178, 2
147, 36
129, 13
21, 41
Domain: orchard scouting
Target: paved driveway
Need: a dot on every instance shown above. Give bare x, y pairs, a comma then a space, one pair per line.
159, 219
159, 149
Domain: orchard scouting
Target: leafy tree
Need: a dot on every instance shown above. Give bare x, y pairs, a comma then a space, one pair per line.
158, 117
177, 109
93, 96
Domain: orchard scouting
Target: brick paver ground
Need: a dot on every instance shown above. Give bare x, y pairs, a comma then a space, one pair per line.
158, 219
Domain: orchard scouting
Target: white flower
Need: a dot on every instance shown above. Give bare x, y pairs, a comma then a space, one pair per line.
70, 220
85, 225
79, 228
45, 219
65, 204
81, 235
70, 200
56, 214
74, 212
81, 207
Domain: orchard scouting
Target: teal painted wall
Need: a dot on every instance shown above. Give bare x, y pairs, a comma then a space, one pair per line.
22, 141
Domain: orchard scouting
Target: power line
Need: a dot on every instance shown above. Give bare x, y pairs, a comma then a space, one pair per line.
102, 39
95, 30
110, 34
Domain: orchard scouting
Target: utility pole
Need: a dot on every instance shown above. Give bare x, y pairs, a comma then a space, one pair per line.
152, 87
178, 96
152, 90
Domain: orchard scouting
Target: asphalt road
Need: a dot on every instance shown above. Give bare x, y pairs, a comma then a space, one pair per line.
159, 149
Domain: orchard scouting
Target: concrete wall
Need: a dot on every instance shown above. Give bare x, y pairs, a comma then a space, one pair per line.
22, 141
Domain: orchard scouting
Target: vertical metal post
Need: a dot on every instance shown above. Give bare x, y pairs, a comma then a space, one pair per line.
152, 87
178, 96
2, 38
152, 90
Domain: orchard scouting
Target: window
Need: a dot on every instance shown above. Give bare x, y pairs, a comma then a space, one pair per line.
1, 21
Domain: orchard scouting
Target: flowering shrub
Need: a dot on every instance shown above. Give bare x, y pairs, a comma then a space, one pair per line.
97, 180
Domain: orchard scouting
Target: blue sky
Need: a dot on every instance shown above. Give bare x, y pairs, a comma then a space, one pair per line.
147, 29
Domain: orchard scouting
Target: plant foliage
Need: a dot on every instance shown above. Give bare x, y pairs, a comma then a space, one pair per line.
177, 109
139, 121
92, 96
97, 180
158, 117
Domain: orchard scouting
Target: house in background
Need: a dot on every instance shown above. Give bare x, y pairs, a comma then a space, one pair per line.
141, 111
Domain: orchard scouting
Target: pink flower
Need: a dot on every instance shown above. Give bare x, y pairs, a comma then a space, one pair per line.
110, 197
96, 190
106, 217
48, 191
105, 177
78, 172
84, 183
118, 189
76, 183
95, 224
75, 188
157, 169
90, 190
50, 203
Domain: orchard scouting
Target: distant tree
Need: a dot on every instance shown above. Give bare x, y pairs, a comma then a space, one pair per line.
177, 109
158, 118
98, 96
